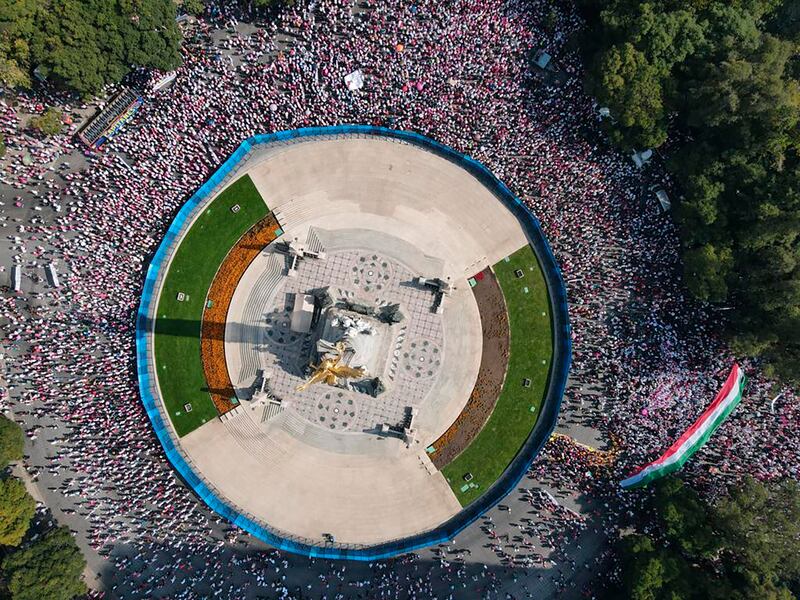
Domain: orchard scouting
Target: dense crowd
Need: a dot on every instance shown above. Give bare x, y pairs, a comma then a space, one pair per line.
646, 357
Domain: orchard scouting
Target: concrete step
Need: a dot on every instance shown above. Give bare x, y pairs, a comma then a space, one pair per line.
294, 425
252, 439
252, 317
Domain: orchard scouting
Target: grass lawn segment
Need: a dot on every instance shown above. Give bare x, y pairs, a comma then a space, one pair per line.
531, 354
177, 330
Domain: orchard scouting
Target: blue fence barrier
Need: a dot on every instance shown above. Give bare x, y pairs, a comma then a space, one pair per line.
510, 478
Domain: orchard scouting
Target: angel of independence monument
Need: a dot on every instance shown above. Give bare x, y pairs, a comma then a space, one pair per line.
354, 342
351, 336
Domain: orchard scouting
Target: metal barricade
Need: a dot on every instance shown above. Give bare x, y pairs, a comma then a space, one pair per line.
514, 472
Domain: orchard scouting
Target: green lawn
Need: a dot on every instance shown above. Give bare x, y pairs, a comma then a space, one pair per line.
531, 353
177, 330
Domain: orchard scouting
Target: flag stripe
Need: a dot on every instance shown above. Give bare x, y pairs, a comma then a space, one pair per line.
674, 466
720, 398
696, 436
688, 447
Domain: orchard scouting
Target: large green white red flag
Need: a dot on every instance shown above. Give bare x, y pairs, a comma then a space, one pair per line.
696, 436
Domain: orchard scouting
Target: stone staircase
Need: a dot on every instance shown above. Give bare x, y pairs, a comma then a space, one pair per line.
294, 425
253, 316
313, 243
271, 410
295, 211
251, 438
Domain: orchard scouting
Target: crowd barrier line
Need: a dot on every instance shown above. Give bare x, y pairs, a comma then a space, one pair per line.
514, 472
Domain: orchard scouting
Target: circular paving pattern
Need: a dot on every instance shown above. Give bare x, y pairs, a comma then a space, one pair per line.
372, 273
278, 329
334, 411
421, 360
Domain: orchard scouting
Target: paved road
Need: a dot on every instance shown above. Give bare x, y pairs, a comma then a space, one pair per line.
243, 559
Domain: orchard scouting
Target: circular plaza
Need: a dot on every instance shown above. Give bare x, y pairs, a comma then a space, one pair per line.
352, 341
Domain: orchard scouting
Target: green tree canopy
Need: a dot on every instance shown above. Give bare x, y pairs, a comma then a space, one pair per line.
723, 75
760, 526
85, 44
49, 123
707, 268
686, 518
16, 30
194, 7
653, 573
629, 85
12, 442
744, 547
47, 569
16, 511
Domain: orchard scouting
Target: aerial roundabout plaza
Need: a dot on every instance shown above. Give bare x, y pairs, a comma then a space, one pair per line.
352, 341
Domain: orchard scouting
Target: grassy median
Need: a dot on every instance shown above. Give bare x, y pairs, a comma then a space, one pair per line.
177, 328
518, 407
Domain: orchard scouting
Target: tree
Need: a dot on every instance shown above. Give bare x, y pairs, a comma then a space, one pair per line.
194, 7
11, 74
47, 569
633, 70
48, 123
644, 572
625, 82
653, 573
723, 75
746, 100
760, 526
686, 519
16, 29
706, 270
17, 508
744, 547
83, 45
12, 442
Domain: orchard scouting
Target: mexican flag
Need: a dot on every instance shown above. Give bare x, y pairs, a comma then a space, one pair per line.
694, 437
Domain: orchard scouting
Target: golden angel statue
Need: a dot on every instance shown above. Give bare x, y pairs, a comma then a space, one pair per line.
329, 370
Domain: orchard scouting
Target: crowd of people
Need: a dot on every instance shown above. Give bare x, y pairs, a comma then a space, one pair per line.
646, 358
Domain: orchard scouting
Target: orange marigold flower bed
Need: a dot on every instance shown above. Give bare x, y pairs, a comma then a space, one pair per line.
220, 294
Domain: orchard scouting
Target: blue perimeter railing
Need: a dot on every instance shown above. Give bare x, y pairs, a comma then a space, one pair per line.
510, 478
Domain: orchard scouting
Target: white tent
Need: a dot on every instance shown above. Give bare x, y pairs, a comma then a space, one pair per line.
164, 81
542, 60
16, 277
52, 275
355, 80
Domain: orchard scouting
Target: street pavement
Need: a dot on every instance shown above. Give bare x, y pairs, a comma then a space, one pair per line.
471, 553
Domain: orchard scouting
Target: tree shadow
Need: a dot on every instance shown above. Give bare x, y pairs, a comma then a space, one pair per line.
191, 328
290, 350
441, 571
